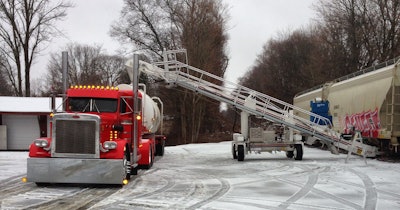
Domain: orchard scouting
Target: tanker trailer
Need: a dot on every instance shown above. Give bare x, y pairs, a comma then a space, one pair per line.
367, 101
151, 123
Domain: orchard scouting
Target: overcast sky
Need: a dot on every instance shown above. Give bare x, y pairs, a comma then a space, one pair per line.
252, 23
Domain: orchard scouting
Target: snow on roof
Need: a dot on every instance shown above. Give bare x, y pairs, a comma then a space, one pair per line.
27, 104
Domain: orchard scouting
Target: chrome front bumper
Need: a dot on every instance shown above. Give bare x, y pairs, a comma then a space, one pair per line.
70, 170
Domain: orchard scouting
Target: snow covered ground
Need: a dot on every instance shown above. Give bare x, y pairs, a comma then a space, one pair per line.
204, 176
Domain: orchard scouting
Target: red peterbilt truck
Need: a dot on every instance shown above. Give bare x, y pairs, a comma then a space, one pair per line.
91, 142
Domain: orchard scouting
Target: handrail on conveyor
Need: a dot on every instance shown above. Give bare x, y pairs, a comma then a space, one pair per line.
173, 71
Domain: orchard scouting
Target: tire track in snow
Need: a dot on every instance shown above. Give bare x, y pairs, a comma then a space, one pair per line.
14, 186
224, 188
312, 180
371, 196
82, 199
392, 194
325, 194
169, 185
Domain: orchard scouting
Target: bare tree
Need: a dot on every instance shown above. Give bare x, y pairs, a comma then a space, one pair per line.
286, 66
5, 86
83, 67
198, 26
111, 68
26, 25
201, 25
146, 24
359, 33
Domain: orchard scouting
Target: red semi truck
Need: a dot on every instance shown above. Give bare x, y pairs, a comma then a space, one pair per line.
93, 140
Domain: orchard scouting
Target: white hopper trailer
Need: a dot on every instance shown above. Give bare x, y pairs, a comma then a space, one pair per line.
367, 101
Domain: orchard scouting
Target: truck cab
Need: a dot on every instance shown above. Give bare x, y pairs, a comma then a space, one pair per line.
92, 139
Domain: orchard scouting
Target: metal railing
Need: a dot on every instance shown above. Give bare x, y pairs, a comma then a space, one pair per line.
178, 73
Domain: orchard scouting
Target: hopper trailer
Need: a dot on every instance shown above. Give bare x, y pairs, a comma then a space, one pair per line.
367, 101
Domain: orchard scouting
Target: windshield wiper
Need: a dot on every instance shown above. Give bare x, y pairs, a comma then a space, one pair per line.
95, 107
87, 105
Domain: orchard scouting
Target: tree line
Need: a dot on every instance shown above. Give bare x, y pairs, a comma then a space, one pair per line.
346, 36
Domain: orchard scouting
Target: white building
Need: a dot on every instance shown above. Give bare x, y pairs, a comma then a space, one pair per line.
23, 119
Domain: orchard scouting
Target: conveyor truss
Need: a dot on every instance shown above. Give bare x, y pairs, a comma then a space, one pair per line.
175, 72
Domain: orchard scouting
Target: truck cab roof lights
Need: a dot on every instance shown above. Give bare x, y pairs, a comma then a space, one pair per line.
92, 87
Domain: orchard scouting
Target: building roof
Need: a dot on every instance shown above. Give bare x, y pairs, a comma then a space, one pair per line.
9, 104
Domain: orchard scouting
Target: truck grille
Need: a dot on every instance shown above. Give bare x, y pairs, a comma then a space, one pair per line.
75, 137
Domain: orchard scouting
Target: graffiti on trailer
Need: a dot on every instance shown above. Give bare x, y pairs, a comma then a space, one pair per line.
367, 122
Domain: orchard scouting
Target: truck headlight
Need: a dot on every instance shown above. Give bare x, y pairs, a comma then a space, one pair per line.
41, 143
109, 145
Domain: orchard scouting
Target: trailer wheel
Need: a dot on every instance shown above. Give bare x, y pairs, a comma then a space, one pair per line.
240, 153
289, 154
298, 152
160, 149
234, 152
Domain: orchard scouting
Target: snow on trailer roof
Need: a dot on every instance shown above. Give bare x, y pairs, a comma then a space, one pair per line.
10, 104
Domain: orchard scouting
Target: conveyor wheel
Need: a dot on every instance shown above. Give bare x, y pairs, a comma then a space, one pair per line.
289, 154
298, 152
240, 153
234, 152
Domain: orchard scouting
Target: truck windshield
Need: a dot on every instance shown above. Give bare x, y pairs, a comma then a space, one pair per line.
92, 105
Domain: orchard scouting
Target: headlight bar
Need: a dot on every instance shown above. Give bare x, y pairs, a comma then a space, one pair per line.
108, 145
43, 143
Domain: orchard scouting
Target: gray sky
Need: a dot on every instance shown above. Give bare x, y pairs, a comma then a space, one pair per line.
251, 25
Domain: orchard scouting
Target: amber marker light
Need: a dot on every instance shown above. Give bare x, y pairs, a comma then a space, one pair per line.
24, 179
125, 182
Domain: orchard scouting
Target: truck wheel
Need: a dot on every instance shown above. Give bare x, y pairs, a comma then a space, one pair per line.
234, 152
298, 152
127, 164
240, 153
289, 154
134, 171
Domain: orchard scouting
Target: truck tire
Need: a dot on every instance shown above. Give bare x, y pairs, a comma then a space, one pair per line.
134, 171
234, 152
298, 152
127, 160
240, 151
